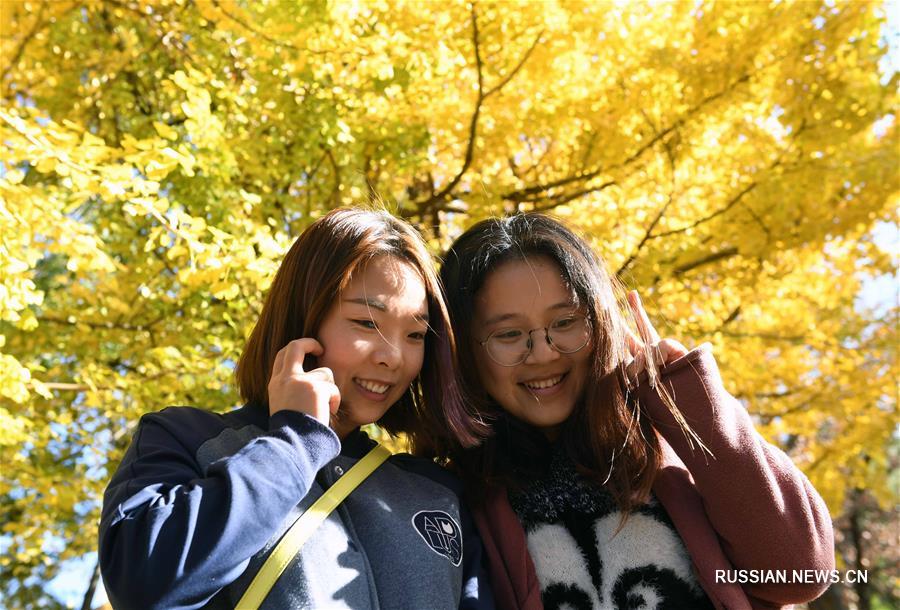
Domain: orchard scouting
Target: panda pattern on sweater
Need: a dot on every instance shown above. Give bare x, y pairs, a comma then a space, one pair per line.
582, 562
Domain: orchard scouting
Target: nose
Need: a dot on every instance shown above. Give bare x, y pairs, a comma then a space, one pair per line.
389, 354
541, 348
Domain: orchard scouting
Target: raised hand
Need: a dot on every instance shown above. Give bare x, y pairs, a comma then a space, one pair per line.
662, 351
294, 389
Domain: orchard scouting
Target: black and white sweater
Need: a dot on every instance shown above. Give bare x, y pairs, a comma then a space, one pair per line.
581, 561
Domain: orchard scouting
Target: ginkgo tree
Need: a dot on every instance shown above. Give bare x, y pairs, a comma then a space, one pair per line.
731, 160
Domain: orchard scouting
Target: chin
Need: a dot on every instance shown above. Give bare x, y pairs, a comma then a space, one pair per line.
546, 420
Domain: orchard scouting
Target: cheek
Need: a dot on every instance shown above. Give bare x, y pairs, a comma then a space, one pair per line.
493, 377
414, 359
339, 356
581, 370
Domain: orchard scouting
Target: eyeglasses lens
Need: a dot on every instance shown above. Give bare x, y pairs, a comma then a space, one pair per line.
567, 334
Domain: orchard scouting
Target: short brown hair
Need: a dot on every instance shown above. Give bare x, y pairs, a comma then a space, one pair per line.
311, 276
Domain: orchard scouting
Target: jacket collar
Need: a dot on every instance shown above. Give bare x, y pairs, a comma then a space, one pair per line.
356, 444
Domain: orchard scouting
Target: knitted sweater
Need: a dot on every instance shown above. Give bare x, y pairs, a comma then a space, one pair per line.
747, 508
582, 558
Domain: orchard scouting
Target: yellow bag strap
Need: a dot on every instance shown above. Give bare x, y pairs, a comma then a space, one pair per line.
294, 539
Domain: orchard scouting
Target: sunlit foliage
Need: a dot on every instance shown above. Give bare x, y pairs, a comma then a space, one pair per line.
730, 159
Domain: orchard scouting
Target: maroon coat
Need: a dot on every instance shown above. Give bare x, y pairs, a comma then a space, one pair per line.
746, 508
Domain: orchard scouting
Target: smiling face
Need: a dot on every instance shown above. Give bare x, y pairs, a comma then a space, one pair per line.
374, 339
529, 294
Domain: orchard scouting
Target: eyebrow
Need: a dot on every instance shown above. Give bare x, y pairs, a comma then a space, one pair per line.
380, 306
503, 317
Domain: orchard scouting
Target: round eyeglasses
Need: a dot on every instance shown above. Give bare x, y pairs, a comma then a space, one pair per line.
511, 346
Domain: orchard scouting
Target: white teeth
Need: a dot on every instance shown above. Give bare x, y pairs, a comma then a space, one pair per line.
378, 388
544, 383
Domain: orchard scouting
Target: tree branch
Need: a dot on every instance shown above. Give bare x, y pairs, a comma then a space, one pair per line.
445, 193
67, 387
710, 258
671, 158
256, 32
336, 190
552, 202
731, 317
733, 202
518, 67
795, 339
105, 325
473, 125
517, 196
86, 603
38, 24
800, 406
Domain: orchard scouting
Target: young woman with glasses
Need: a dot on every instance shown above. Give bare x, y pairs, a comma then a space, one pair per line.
609, 468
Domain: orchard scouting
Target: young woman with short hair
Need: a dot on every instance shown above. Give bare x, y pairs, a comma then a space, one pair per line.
351, 334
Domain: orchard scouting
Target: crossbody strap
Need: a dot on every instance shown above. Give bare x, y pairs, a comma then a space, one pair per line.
293, 540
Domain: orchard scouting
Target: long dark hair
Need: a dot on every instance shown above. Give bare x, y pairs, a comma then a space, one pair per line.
606, 436
316, 268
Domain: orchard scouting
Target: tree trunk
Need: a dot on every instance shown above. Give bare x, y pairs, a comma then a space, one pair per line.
863, 592
92, 587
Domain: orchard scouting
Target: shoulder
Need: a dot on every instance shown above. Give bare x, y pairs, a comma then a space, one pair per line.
188, 426
184, 421
183, 415
173, 416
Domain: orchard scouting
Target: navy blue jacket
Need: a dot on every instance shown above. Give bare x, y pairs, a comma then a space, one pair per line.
200, 499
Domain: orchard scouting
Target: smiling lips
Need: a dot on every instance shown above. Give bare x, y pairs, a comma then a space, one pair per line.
544, 384
376, 387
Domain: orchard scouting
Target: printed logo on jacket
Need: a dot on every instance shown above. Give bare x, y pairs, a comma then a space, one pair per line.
441, 533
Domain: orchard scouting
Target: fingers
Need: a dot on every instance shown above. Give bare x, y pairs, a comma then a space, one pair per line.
296, 351
323, 372
670, 351
647, 346
662, 354
635, 367
326, 393
279, 362
634, 342
645, 327
334, 401
638, 344
638, 364
292, 388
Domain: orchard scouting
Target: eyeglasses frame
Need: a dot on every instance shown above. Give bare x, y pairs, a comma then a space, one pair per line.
547, 338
